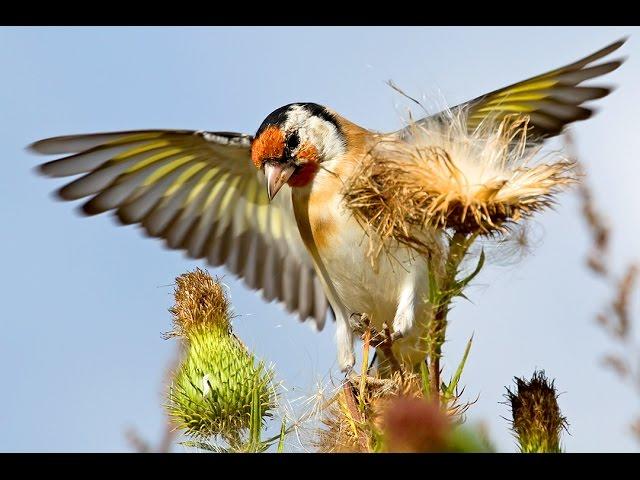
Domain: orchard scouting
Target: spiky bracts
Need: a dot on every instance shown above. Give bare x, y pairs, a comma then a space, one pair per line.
446, 177
536, 418
213, 390
219, 389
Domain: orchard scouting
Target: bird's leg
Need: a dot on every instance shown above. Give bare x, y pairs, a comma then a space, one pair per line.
385, 347
361, 324
404, 319
382, 341
344, 340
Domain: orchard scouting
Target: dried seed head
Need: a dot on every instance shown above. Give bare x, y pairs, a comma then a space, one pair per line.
445, 177
200, 301
537, 420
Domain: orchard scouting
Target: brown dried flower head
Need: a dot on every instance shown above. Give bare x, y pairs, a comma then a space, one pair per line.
537, 419
199, 301
445, 176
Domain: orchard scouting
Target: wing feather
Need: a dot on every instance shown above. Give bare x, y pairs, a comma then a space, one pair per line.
199, 192
552, 100
253, 271
130, 185
144, 199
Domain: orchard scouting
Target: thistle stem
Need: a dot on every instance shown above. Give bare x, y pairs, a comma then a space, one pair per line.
444, 291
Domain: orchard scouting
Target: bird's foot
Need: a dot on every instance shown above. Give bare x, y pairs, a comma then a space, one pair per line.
360, 324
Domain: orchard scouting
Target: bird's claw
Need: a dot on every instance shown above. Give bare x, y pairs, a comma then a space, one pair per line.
360, 324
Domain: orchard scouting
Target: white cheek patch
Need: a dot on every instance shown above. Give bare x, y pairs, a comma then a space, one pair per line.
316, 131
325, 136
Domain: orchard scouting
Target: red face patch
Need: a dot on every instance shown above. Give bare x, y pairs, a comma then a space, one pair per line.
303, 175
308, 153
270, 144
308, 166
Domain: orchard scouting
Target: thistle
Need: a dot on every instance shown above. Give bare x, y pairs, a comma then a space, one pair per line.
447, 177
537, 421
444, 186
363, 414
219, 390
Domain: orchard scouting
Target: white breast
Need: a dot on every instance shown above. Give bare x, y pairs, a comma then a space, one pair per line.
362, 288
394, 293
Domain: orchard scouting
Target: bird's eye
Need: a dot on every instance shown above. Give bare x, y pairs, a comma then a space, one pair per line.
293, 141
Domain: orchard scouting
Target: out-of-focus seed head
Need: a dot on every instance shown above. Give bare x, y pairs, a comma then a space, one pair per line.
536, 418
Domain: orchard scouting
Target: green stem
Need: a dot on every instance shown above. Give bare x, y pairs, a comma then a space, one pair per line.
444, 291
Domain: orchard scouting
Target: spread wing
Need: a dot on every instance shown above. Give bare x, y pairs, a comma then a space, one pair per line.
552, 100
200, 192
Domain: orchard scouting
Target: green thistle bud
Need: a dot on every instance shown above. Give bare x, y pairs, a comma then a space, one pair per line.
219, 389
537, 420
213, 390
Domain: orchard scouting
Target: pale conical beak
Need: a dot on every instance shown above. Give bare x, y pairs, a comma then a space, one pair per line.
277, 175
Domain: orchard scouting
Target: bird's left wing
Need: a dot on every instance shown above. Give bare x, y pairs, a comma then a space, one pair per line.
551, 100
200, 192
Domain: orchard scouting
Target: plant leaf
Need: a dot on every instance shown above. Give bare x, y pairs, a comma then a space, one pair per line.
426, 384
463, 283
283, 432
450, 391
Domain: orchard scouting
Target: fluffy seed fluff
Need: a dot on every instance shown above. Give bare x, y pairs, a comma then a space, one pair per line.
447, 177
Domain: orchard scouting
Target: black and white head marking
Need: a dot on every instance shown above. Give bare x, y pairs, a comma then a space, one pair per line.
307, 124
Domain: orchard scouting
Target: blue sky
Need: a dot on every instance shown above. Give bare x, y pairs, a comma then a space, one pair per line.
84, 303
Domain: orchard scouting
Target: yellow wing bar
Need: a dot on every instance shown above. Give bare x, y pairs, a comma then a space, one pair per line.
552, 100
200, 192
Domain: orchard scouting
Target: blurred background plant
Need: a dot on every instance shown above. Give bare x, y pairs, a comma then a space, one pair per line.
616, 318
536, 420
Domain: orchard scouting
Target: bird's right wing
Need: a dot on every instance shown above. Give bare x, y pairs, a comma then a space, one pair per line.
200, 192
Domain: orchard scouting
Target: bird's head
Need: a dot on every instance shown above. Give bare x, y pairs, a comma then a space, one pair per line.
292, 143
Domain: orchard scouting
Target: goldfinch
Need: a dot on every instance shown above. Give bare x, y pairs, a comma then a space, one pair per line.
269, 207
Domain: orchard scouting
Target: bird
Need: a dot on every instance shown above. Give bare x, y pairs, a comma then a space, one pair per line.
269, 208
